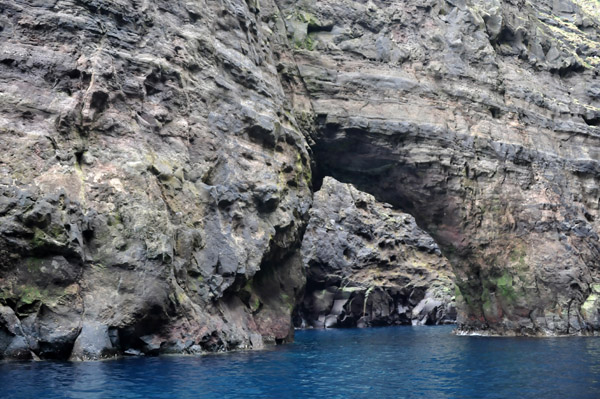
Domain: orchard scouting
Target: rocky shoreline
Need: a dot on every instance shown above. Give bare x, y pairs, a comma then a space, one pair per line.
201, 176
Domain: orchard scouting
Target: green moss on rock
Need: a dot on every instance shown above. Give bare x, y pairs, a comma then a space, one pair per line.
29, 294
308, 43
505, 288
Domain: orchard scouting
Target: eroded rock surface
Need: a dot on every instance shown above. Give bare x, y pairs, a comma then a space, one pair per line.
370, 265
479, 118
155, 174
153, 183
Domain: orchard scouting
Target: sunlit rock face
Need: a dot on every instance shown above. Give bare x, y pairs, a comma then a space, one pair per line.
480, 119
370, 265
153, 182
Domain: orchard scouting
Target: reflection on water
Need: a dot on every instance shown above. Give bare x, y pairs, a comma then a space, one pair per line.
395, 362
592, 348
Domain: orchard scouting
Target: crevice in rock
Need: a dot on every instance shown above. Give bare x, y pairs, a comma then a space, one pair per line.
79, 158
506, 36
314, 28
99, 101
568, 70
277, 288
592, 121
495, 112
138, 336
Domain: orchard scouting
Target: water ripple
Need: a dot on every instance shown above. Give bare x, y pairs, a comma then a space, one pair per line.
395, 362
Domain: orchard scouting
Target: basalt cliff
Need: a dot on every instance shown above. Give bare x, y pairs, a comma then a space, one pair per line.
191, 176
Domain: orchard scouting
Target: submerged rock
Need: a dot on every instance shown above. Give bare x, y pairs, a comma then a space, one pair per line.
368, 264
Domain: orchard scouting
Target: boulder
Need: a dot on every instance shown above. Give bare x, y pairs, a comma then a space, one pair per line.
369, 264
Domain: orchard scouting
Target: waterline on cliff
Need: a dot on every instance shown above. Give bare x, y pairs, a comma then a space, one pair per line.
399, 362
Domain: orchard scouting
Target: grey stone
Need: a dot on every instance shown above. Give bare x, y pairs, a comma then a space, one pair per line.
492, 150
155, 192
93, 343
375, 263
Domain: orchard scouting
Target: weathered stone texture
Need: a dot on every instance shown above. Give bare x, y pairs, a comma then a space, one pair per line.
153, 178
155, 169
369, 265
479, 118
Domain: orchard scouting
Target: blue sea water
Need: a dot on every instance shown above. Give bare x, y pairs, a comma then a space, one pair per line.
392, 362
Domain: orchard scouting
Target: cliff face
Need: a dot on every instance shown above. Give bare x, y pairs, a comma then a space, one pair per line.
479, 118
156, 180
154, 184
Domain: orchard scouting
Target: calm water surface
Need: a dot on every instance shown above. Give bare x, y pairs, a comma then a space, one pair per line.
394, 362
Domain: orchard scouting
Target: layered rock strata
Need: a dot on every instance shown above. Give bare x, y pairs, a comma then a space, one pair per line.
154, 185
480, 119
370, 265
